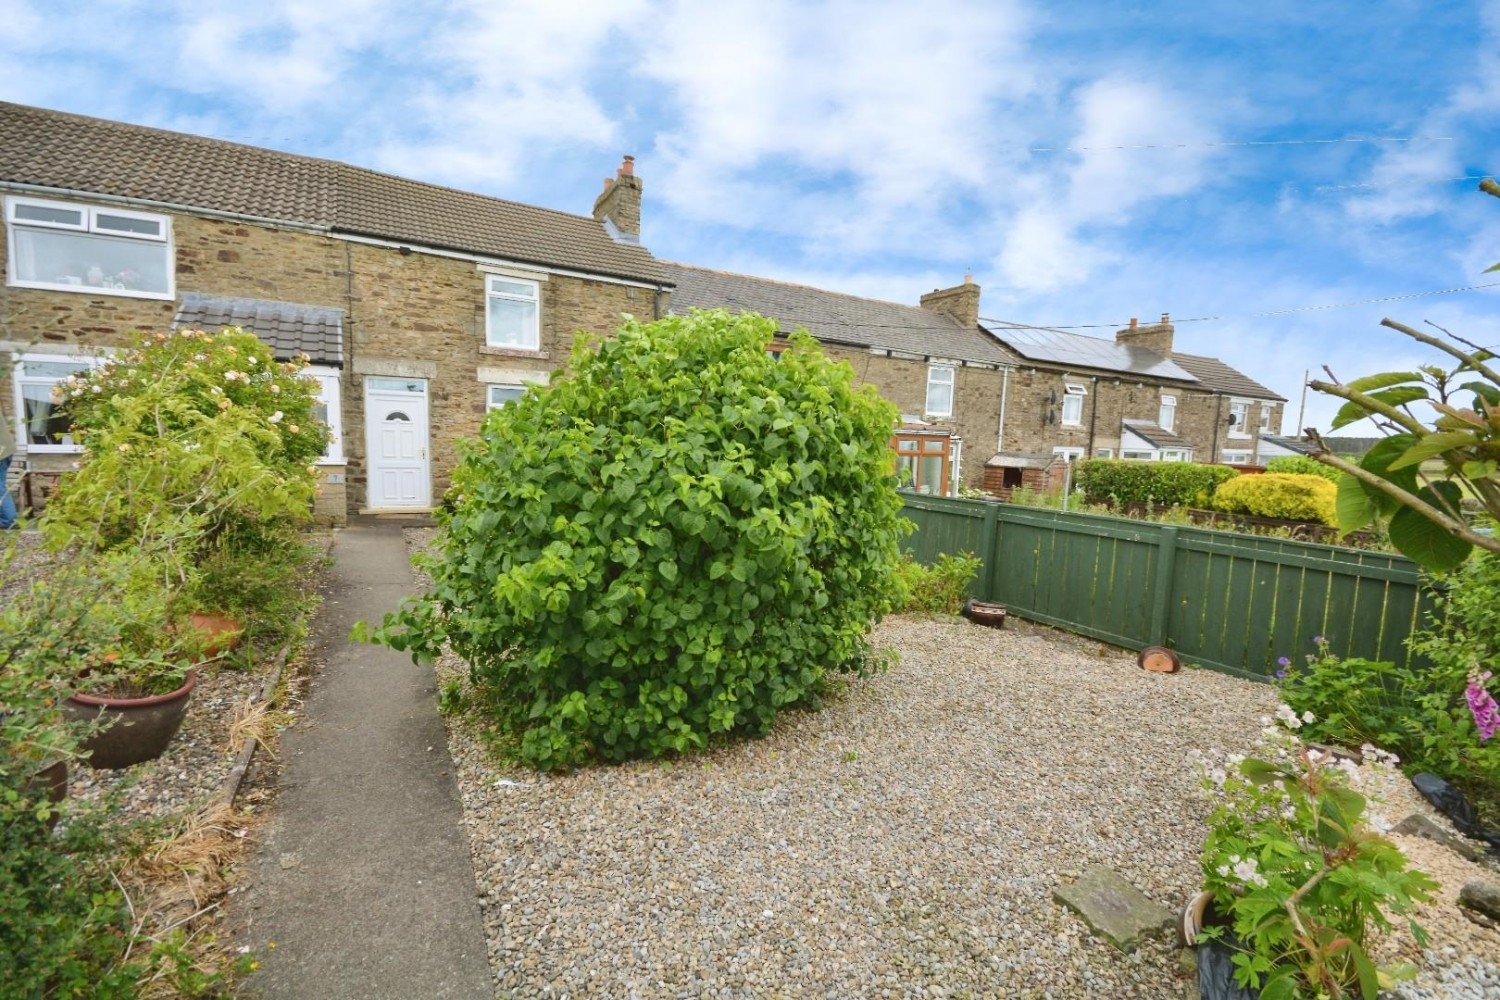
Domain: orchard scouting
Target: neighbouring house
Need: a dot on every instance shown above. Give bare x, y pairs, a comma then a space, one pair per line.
1071, 396
420, 306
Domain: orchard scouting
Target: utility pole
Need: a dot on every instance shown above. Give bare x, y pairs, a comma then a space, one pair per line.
1302, 407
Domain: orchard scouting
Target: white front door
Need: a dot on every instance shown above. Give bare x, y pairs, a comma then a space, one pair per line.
396, 442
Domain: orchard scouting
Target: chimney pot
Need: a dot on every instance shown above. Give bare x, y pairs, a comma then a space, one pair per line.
627, 166
968, 277
1132, 322
1165, 319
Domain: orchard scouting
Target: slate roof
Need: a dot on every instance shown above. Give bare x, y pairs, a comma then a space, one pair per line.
286, 327
1216, 375
833, 316
87, 155
1156, 436
1075, 350
1292, 444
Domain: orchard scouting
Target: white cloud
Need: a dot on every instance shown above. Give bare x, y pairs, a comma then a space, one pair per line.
840, 122
1056, 239
510, 79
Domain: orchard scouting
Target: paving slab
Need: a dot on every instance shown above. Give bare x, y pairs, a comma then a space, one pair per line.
362, 887
1114, 909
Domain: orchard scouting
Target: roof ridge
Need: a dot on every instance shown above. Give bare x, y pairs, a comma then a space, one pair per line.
335, 195
810, 288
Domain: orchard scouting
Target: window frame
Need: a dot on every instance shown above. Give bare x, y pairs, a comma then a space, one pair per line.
1104, 453
1265, 418
951, 385
88, 226
19, 378
1068, 454
333, 402
489, 394
532, 338
1072, 391
1239, 428
1227, 459
1138, 455
1166, 413
910, 451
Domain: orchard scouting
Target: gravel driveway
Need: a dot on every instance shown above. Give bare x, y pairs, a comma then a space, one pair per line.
905, 841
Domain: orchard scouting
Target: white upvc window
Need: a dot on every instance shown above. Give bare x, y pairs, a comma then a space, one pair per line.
1104, 453
1166, 415
1072, 403
498, 395
1265, 418
1236, 458
1239, 418
329, 409
512, 307
939, 391
40, 386
1068, 454
1141, 456
1174, 455
70, 247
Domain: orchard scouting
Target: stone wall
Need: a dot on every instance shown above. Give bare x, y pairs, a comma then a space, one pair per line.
976, 401
422, 311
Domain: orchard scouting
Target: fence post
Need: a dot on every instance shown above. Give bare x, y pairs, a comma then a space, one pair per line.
987, 552
1166, 557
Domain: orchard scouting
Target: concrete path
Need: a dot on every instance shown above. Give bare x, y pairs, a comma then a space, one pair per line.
363, 878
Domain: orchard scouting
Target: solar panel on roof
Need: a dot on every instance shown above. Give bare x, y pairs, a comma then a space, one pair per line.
1063, 348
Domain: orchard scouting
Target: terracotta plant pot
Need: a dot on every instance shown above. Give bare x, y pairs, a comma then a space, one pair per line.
134, 729
985, 613
221, 633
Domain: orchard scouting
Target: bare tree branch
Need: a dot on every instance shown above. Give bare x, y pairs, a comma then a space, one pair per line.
1445, 347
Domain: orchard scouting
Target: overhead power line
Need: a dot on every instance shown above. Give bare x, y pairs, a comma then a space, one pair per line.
1401, 183
1119, 325
1247, 142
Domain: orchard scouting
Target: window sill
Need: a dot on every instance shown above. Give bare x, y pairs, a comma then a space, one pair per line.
95, 290
514, 352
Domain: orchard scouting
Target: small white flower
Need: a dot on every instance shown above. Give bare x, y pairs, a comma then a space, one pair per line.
292, 428
230, 376
275, 418
214, 390
249, 360
1309, 717
95, 388
275, 389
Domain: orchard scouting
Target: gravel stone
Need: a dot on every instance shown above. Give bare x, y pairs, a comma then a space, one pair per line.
903, 841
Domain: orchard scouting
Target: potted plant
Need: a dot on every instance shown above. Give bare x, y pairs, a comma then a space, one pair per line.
1297, 871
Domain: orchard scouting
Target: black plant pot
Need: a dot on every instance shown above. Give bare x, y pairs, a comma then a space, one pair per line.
133, 729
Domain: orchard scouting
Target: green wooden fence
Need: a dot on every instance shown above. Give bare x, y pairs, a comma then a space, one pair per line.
1223, 600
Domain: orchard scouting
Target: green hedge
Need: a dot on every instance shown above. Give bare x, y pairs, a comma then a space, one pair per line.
1278, 494
1120, 481
1301, 465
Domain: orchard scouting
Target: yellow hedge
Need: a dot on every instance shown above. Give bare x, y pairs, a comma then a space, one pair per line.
1276, 494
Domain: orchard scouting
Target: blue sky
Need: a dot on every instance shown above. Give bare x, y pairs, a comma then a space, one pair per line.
1089, 162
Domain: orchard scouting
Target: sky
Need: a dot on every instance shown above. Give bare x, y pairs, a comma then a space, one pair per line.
1251, 169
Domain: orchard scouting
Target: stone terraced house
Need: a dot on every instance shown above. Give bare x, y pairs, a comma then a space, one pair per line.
422, 307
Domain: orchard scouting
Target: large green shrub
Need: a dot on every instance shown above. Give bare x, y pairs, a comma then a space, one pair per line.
188, 432
671, 543
1281, 495
1301, 465
1163, 484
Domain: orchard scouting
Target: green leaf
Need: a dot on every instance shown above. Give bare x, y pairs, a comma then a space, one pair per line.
1424, 541
1352, 411
1430, 445
1353, 505
1489, 393
1378, 460
1382, 380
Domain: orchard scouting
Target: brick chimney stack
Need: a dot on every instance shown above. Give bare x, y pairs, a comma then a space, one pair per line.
961, 302
1157, 337
619, 206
